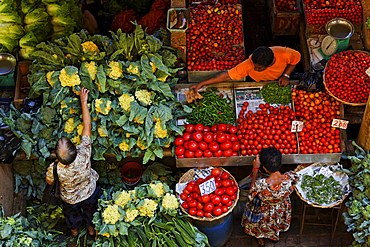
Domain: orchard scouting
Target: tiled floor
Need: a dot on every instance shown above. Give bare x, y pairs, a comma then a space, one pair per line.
312, 235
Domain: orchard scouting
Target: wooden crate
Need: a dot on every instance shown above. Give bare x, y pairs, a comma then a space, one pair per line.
283, 23
365, 31
22, 85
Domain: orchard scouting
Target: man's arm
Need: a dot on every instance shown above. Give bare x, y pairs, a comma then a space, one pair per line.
224, 76
86, 118
284, 78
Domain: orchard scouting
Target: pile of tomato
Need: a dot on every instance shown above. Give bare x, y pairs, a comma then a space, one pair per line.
214, 204
286, 5
202, 141
213, 37
267, 127
317, 110
319, 12
346, 78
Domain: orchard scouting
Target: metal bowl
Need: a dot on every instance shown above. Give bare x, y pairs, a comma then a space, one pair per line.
7, 63
340, 28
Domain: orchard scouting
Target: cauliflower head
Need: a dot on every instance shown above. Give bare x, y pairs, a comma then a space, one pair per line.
133, 68
144, 96
69, 76
124, 146
115, 70
123, 198
131, 215
90, 46
102, 132
111, 214
125, 101
106, 104
68, 128
170, 201
159, 132
158, 189
148, 208
92, 68
50, 79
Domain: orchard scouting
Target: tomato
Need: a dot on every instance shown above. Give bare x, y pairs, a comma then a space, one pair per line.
198, 153
179, 141
213, 146
185, 205
226, 183
226, 145
227, 152
225, 175
233, 130
218, 153
235, 146
202, 145
189, 128
214, 128
224, 208
192, 145
179, 150
221, 127
199, 127
192, 211
208, 207
216, 172
216, 200
233, 197
208, 214
183, 196
200, 213
225, 199
221, 138
200, 205
207, 153
218, 183
208, 137
197, 136
206, 129
189, 154
230, 190
192, 203
186, 136
190, 187
206, 198
217, 211
219, 191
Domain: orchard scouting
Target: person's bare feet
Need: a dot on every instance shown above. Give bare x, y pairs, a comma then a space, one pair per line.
91, 230
74, 232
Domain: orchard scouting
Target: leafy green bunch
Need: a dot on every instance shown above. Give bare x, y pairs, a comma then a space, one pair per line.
274, 94
132, 106
357, 218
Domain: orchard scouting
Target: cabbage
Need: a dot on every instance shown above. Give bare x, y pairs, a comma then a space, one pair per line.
62, 21
10, 17
26, 53
58, 10
6, 6
28, 40
7, 44
11, 30
37, 15
41, 30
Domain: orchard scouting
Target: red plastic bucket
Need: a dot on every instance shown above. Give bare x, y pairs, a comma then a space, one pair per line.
131, 173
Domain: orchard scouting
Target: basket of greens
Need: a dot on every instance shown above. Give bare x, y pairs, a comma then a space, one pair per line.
322, 185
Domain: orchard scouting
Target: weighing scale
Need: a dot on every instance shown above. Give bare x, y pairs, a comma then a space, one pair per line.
339, 33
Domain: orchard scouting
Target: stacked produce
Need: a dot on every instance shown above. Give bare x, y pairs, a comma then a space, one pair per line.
214, 204
269, 126
132, 106
274, 94
148, 214
317, 110
319, 12
214, 37
286, 5
357, 218
346, 78
201, 141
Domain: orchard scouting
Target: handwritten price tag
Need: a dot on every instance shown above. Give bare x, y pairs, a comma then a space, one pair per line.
368, 71
297, 126
207, 187
339, 123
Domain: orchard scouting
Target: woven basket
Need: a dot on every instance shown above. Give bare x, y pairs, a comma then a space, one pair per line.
188, 176
301, 167
332, 95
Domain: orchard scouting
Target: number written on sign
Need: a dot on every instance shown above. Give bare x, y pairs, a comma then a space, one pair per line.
297, 126
207, 187
339, 123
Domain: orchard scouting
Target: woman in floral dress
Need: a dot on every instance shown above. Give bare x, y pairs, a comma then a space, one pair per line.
274, 193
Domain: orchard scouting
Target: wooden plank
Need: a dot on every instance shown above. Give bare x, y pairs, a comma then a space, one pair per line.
6, 188
365, 31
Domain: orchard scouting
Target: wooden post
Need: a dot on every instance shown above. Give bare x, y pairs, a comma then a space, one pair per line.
6, 188
363, 139
365, 31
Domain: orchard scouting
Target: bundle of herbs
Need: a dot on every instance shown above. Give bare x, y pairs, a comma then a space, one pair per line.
274, 94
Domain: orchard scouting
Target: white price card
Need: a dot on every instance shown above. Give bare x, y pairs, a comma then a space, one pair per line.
368, 71
297, 126
339, 123
207, 187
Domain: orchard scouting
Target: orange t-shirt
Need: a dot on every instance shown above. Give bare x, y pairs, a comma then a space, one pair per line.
283, 55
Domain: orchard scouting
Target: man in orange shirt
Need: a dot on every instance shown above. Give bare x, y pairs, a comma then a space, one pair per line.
265, 64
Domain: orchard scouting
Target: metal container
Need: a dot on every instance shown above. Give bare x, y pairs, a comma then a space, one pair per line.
340, 28
7, 63
217, 231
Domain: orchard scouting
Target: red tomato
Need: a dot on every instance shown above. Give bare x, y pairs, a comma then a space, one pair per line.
200, 213
199, 127
208, 207
197, 136
229, 190
226, 183
207, 153
192, 211
227, 152
183, 196
226, 145
233, 197
214, 128
221, 138
186, 136
206, 129
202, 145
190, 187
233, 130
235, 146
213, 146
200, 205
208, 214
189, 128
216, 200
208, 137
224, 208
218, 153
219, 191
179, 141
217, 211
192, 145
222, 127
225, 175
192, 203
198, 153
189, 154
179, 150
225, 199
216, 172
205, 198
185, 205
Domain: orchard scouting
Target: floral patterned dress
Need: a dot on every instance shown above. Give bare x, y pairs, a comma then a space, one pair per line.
275, 207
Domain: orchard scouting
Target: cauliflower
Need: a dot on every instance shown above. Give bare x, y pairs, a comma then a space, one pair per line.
154, 68
102, 132
148, 208
134, 69
92, 68
75, 91
170, 201
111, 214
125, 101
163, 78
123, 198
140, 145
106, 109
80, 128
159, 132
48, 78
69, 76
76, 140
47, 114
90, 46
137, 120
131, 215
72, 111
158, 189
106, 234
68, 128
144, 96
115, 70
124, 146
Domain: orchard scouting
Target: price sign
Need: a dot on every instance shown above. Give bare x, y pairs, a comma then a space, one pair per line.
297, 126
207, 187
339, 123
368, 71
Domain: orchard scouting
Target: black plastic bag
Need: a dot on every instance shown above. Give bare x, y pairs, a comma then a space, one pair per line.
311, 81
9, 143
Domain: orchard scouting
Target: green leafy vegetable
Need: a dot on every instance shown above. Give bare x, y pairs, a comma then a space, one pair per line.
274, 94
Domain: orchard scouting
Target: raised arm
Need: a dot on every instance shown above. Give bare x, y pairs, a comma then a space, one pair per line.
86, 118
224, 76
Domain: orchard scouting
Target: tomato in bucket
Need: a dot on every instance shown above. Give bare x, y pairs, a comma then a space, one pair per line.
131, 173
